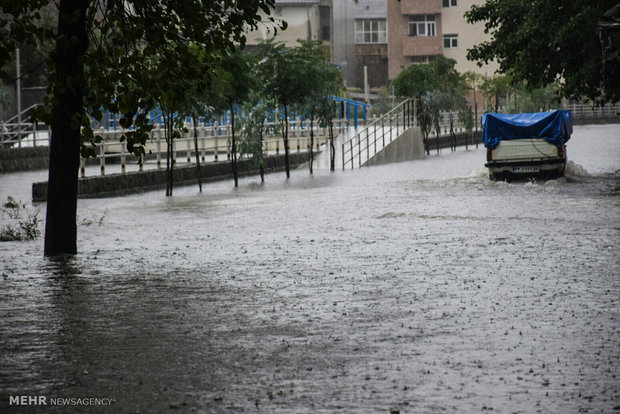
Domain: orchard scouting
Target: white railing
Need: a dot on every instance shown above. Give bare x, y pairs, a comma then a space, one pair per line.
214, 144
21, 131
364, 144
590, 111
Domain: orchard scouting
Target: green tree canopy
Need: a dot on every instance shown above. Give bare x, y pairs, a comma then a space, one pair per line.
544, 41
437, 87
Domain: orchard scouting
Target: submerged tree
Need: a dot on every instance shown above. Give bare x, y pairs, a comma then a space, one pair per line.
323, 81
284, 73
241, 82
254, 127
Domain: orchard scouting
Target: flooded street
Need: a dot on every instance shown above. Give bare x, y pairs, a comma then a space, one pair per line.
418, 287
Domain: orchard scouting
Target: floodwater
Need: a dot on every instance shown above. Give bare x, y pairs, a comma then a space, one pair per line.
418, 287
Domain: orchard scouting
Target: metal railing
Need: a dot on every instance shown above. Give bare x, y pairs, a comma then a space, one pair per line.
21, 130
214, 144
581, 111
367, 142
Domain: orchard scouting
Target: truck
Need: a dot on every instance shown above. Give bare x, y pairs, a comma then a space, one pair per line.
526, 145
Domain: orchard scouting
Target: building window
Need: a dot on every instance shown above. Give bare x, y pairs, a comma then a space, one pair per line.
422, 25
422, 59
370, 31
450, 41
324, 23
450, 3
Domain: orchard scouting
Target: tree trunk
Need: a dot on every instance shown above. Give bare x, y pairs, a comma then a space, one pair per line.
235, 171
286, 161
172, 160
67, 113
261, 161
311, 141
452, 134
332, 152
169, 131
194, 119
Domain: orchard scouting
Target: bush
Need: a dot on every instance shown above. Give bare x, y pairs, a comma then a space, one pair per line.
23, 222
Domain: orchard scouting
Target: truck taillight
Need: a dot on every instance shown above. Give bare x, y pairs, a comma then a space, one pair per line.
489, 155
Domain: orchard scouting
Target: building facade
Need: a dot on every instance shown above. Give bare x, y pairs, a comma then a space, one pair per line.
371, 43
306, 20
383, 36
359, 38
421, 30
355, 32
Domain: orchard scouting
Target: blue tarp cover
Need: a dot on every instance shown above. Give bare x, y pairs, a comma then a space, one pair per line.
555, 127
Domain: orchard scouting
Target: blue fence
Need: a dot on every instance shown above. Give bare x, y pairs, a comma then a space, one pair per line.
347, 109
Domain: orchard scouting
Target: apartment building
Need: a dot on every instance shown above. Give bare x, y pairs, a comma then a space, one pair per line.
355, 32
371, 42
306, 20
421, 30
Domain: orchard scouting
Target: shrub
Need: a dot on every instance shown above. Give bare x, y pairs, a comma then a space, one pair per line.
23, 222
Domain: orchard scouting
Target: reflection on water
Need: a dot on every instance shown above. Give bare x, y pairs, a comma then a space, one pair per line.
421, 286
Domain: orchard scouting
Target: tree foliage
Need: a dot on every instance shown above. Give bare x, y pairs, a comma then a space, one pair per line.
322, 81
294, 78
121, 55
241, 82
436, 87
544, 41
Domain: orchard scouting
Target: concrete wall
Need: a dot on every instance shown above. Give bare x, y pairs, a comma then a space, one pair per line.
449, 21
458, 140
22, 159
408, 146
469, 35
136, 182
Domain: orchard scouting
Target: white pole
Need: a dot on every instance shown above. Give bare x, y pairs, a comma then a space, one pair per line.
366, 84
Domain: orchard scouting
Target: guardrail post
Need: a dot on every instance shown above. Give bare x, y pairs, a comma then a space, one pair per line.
174, 151
367, 145
342, 145
159, 148
82, 167
397, 126
375, 136
102, 157
359, 151
382, 131
351, 145
216, 146
203, 147
123, 158
228, 149
189, 146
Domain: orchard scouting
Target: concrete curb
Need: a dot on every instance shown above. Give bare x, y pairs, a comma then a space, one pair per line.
115, 185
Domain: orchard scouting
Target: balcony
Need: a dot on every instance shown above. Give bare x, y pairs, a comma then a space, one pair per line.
421, 46
409, 7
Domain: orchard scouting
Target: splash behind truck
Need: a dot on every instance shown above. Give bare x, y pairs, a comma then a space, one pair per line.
527, 144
